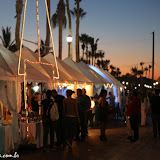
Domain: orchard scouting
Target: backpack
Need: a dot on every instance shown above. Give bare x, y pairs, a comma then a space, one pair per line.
54, 114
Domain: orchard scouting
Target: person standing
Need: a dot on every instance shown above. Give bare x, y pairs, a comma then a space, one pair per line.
129, 130
47, 123
34, 103
134, 112
103, 113
82, 103
87, 111
111, 99
59, 100
70, 112
155, 107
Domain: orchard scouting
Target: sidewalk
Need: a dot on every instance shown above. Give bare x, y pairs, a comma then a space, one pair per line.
116, 148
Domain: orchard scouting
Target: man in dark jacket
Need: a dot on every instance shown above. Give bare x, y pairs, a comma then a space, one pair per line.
155, 106
59, 100
134, 112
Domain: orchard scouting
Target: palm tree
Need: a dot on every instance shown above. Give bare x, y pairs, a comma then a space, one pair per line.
149, 69
101, 54
47, 41
98, 63
70, 26
79, 13
106, 64
94, 47
59, 19
118, 72
146, 69
82, 39
6, 39
19, 8
42, 49
140, 73
134, 71
112, 68
142, 63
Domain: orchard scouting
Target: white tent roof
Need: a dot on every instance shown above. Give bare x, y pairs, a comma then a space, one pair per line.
91, 74
44, 69
106, 75
70, 71
9, 65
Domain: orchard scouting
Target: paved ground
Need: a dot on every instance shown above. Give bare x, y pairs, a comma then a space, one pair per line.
116, 148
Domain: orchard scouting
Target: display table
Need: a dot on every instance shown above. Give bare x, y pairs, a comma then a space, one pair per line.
6, 139
35, 129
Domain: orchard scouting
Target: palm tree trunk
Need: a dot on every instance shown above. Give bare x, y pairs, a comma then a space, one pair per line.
47, 30
77, 33
60, 39
19, 7
83, 54
17, 31
70, 26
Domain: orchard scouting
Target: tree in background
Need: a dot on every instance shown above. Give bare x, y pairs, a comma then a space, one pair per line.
146, 70
59, 19
70, 26
19, 8
134, 71
78, 13
6, 39
47, 41
42, 49
118, 72
149, 68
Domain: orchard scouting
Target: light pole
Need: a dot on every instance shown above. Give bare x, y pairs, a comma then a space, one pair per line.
69, 40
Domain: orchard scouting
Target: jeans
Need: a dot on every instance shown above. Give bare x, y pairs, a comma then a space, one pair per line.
48, 125
82, 125
69, 129
156, 124
60, 131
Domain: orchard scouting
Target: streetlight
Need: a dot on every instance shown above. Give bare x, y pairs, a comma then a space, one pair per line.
69, 40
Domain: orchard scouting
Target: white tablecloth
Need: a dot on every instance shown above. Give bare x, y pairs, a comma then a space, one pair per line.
9, 144
35, 129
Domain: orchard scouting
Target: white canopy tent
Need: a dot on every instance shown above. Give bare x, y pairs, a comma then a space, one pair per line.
84, 69
117, 86
79, 79
10, 83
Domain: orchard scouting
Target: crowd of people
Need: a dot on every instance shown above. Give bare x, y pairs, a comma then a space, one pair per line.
136, 107
73, 115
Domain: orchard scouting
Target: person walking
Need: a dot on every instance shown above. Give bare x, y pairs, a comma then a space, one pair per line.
83, 104
155, 107
87, 111
59, 100
129, 130
134, 112
48, 125
103, 113
70, 113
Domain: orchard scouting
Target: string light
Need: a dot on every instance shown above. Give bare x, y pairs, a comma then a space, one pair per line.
39, 60
108, 85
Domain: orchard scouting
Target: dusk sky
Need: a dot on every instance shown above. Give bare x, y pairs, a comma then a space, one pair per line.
124, 28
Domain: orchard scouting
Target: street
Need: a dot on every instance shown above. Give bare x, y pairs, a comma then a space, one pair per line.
117, 147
